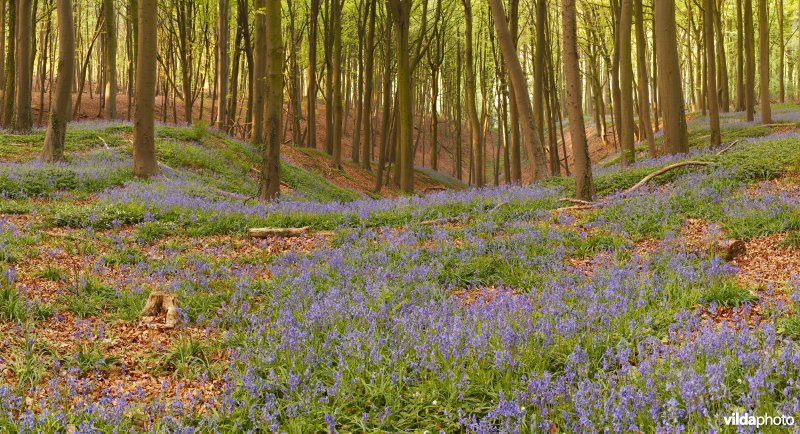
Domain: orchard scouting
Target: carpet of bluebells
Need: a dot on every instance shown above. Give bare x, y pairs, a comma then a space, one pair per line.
513, 316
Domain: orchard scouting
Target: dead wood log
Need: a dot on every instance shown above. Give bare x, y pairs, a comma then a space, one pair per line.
664, 170
727, 148
729, 249
278, 232
161, 303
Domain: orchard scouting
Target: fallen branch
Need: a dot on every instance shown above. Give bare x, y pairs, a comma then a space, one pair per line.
278, 232
663, 170
104, 142
575, 208
727, 148
575, 201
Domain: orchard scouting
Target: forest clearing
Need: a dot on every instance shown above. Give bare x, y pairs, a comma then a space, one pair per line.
310, 216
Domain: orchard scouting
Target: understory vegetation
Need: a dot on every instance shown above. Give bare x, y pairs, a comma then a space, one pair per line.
496, 309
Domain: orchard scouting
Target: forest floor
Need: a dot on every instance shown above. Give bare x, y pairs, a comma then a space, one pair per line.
489, 310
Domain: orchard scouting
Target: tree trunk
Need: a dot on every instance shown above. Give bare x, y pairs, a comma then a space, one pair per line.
711, 72
369, 62
750, 61
401, 14
781, 56
644, 93
669, 78
53, 149
311, 106
223, 62
110, 62
23, 120
763, 53
270, 181
584, 186
472, 111
337, 104
740, 92
259, 77
538, 75
10, 68
626, 81
144, 150
722, 63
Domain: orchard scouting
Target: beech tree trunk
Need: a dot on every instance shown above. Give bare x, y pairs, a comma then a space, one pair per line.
270, 180
763, 53
516, 76
401, 15
110, 62
259, 78
23, 119
223, 62
53, 149
144, 150
750, 62
9, 87
676, 139
472, 110
644, 93
369, 62
584, 186
711, 72
626, 82
311, 105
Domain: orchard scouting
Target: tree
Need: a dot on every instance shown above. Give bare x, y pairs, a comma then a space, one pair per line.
366, 157
223, 61
53, 149
472, 110
750, 62
259, 67
521, 94
670, 91
642, 75
9, 87
584, 186
110, 61
401, 16
763, 63
23, 119
626, 82
144, 149
270, 175
711, 72
311, 110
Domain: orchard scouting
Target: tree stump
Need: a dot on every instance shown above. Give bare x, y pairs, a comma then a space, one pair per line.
161, 304
729, 249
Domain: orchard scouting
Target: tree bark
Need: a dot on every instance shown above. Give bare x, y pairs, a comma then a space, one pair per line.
369, 62
223, 62
9, 87
750, 62
711, 72
669, 78
110, 62
53, 149
270, 181
23, 120
401, 15
626, 81
472, 110
311, 105
144, 151
584, 186
644, 93
259, 73
763, 53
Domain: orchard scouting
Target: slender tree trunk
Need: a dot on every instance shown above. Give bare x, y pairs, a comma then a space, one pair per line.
401, 14
311, 106
763, 52
740, 92
781, 56
144, 150
511, 59
270, 182
53, 149
10, 85
584, 186
259, 73
644, 93
669, 79
722, 63
336, 69
750, 61
23, 120
711, 72
538, 73
369, 62
223, 62
472, 110
110, 62
626, 81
